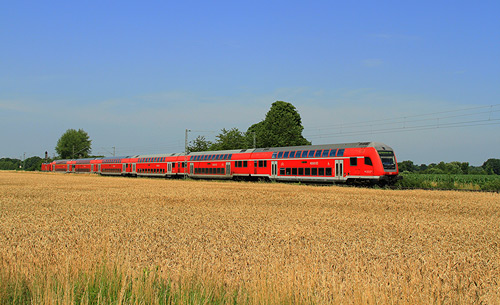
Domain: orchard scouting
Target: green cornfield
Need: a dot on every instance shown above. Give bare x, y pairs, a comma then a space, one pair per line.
459, 182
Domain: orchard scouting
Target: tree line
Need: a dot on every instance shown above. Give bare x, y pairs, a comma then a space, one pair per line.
489, 167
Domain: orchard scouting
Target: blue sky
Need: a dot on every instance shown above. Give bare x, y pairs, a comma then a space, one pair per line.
135, 75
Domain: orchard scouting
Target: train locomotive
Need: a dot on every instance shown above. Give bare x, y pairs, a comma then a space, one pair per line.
351, 163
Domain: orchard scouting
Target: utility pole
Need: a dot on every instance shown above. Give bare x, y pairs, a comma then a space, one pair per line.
186, 141
24, 161
254, 145
114, 150
185, 153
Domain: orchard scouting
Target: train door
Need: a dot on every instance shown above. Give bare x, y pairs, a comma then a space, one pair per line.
339, 169
169, 168
191, 168
124, 168
99, 168
133, 168
228, 168
274, 169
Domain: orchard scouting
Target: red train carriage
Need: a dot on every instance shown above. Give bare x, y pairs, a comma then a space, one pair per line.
111, 166
360, 162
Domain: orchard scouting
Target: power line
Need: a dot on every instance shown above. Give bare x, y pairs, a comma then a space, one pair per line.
400, 124
384, 121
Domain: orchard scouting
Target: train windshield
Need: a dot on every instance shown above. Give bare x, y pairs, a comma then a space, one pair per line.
388, 161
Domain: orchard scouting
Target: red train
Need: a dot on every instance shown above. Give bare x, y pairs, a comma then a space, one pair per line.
362, 162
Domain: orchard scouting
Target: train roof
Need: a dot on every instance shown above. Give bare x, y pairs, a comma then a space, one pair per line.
159, 155
376, 145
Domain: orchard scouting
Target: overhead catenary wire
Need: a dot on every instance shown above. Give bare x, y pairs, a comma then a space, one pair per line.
401, 124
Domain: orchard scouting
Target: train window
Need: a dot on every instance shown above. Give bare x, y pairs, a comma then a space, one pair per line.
308, 172
230, 156
304, 153
282, 171
321, 171
294, 171
340, 153
173, 165
301, 171
261, 163
292, 154
328, 171
245, 164
314, 171
285, 155
325, 153
318, 153
280, 154
288, 171
311, 154
265, 163
333, 152
368, 161
274, 155
353, 161
256, 163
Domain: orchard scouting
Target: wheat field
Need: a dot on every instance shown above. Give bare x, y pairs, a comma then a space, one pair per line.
266, 242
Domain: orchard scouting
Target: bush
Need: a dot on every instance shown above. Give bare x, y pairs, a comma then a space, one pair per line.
492, 185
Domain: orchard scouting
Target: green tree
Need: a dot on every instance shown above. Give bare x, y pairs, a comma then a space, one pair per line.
492, 166
199, 144
9, 164
281, 127
407, 166
74, 144
33, 164
230, 139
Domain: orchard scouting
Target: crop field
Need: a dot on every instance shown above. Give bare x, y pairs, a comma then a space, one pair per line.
86, 239
442, 181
